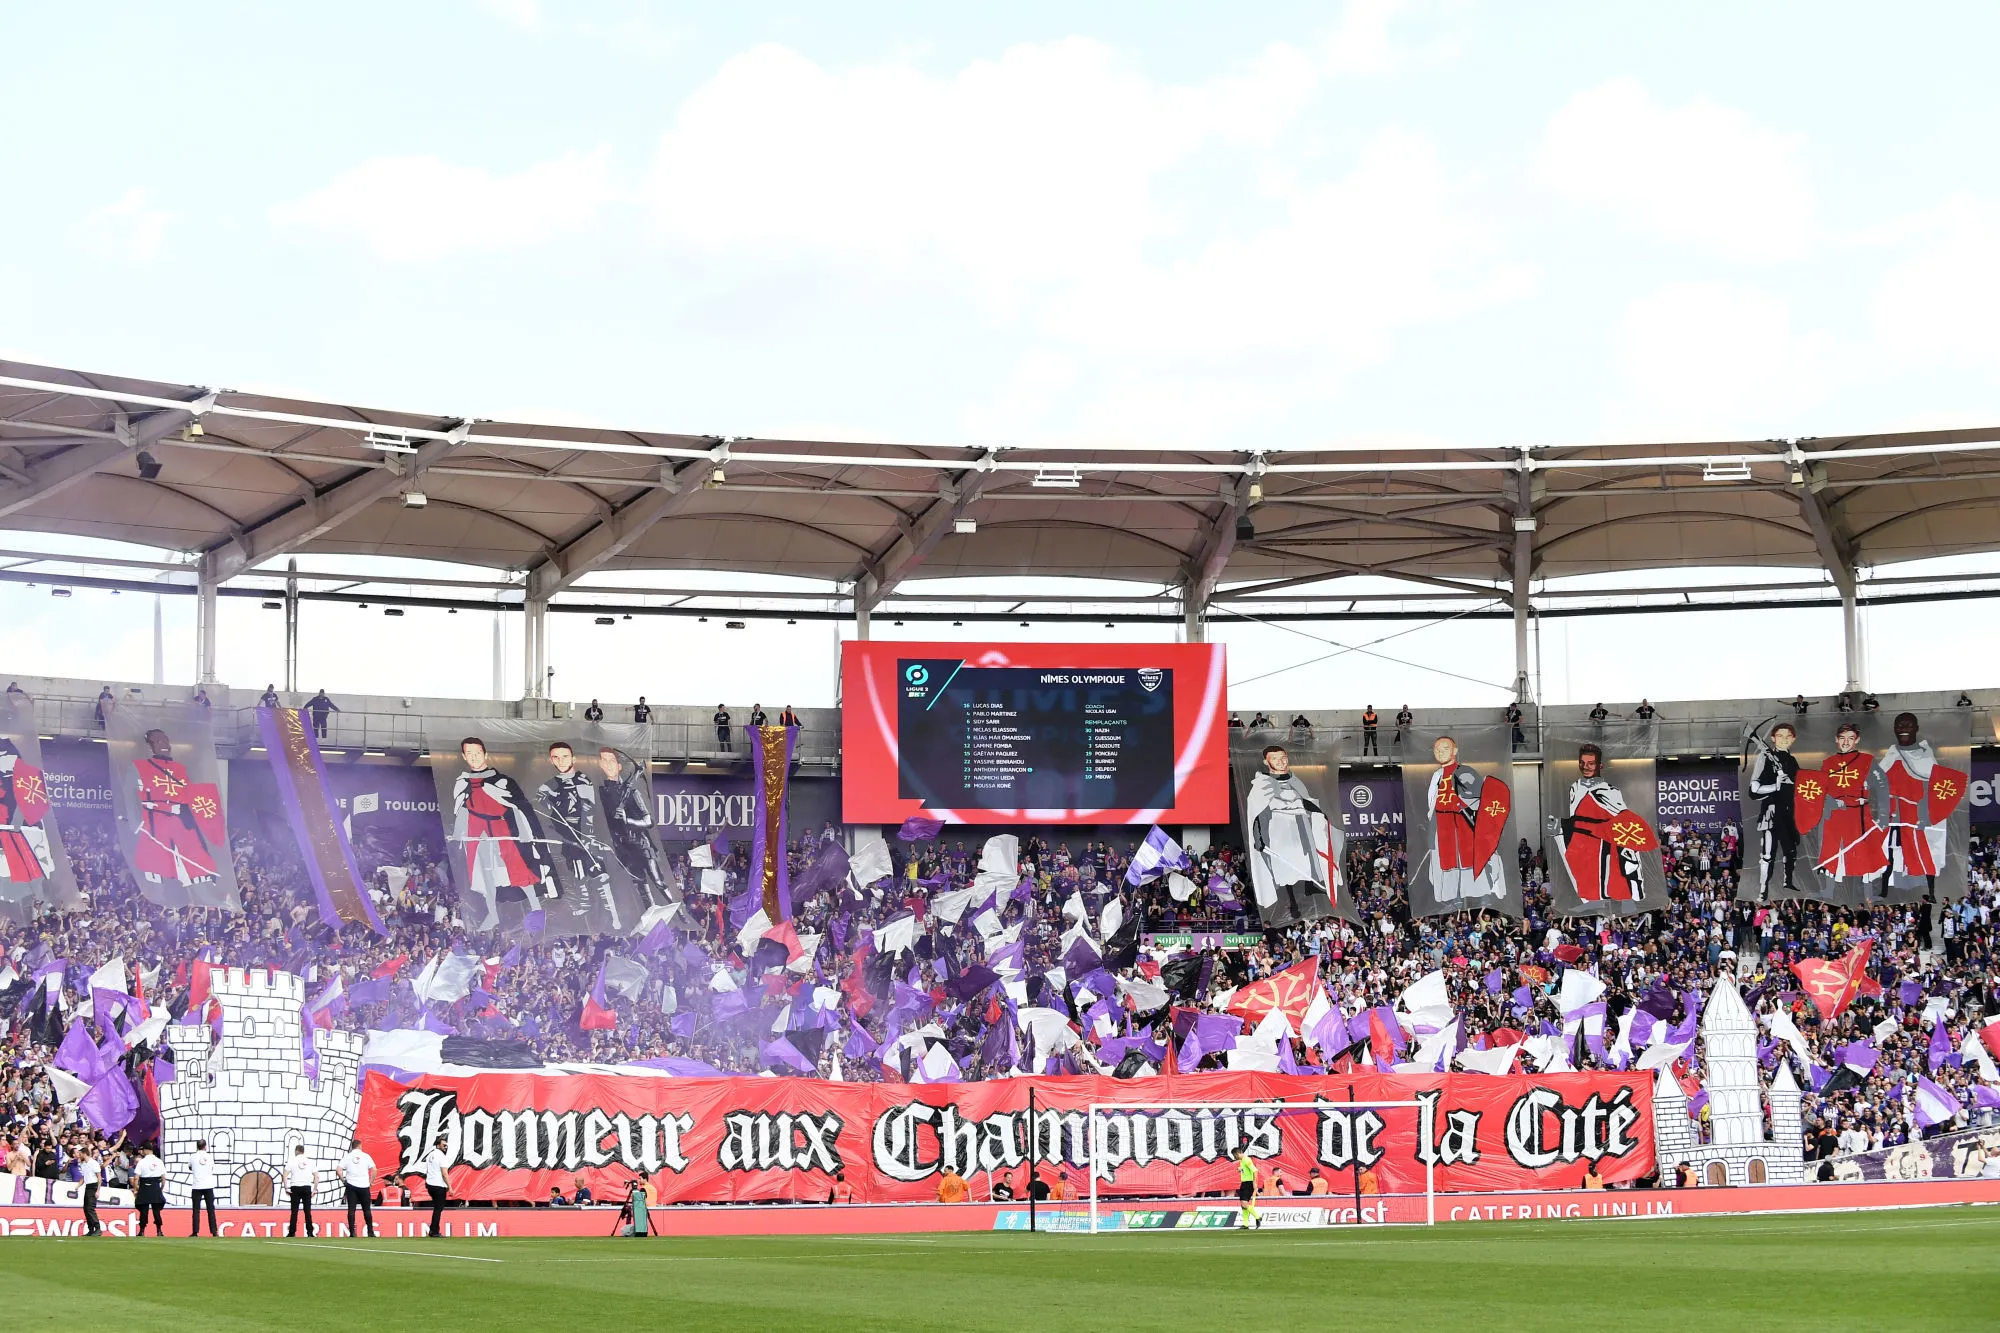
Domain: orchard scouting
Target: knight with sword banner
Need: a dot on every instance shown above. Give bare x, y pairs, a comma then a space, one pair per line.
629, 818
1914, 796
1602, 837
180, 820
496, 830
1468, 813
1293, 855
570, 801
1833, 798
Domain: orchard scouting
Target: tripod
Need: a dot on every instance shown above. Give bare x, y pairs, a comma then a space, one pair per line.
635, 1218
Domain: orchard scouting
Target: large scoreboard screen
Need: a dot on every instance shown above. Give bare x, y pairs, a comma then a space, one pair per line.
1034, 733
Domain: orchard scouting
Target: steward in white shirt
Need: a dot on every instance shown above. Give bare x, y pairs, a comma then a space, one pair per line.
299, 1178
201, 1188
149, 1185
357, 1180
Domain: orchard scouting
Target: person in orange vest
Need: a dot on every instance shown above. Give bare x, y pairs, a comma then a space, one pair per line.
1368, 721
951, 1188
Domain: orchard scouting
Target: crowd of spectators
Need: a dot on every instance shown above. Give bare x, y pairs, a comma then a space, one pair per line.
533, 990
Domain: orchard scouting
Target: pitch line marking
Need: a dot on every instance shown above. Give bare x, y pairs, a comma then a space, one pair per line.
347, 1249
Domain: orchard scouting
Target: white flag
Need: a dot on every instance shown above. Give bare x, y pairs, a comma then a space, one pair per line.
897, 936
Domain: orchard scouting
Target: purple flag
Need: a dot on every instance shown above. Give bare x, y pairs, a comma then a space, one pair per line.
919, 828
1941, 1051
658, 938
781, 1052
308, 1046
1910, 993
1984, 1097
1524, 1001
1859, 1056
370, 992
683, 1025
79, 1055
110, 1104
1496, 980
860, 1045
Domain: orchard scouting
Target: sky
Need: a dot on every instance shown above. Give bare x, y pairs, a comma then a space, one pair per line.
1195, 225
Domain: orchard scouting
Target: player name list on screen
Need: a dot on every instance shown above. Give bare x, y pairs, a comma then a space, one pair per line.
1034, 738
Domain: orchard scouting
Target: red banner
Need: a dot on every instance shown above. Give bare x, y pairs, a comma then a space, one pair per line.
516, 1136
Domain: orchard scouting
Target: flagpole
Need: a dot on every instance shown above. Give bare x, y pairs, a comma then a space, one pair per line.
1354, 1143
1034, 1172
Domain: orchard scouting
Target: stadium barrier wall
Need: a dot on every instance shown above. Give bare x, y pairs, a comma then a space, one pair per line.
1155, 1215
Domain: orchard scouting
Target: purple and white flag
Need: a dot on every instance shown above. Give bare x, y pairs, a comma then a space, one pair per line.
1156, 856
1934, 1105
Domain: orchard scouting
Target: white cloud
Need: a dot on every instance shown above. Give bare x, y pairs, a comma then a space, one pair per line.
1126, 221
421, 208
1037, 164
1711, 357
525, 14
1699, 173
130, 230
1941, 304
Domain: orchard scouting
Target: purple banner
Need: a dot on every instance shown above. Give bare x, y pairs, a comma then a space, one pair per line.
690, 808
1699, 796
391, 812
315, 818
79, 776
1983, 799
1947, 1157
1371, 807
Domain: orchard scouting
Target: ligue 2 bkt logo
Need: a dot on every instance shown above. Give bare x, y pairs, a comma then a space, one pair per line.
916, 673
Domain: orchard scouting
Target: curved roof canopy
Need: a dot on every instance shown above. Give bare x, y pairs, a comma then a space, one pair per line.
242, 478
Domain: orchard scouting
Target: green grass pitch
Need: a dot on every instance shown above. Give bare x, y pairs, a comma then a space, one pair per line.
1932, 1269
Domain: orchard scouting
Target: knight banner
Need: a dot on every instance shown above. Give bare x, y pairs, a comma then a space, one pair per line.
549, 827
166, 788
770, 770
34, 867
1289, 783
1599, 800
513, 1135
1459, 821
318, 825
1857, 809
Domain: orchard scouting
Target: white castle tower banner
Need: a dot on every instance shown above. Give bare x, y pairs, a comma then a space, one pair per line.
1738, 1153
249, 1097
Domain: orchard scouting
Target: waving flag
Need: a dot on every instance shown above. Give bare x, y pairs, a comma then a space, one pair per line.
1155, 857
1832, 985
1289, 992
598, 1014
1941, 1052
919, 828
1934, 1105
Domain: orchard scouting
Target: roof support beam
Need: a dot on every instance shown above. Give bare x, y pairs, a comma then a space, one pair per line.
614, 533
1521, 575
1204, 565
313, 518
1835, 545
49, 476
914, 544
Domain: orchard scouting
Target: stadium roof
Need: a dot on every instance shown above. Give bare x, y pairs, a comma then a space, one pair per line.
243, 478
